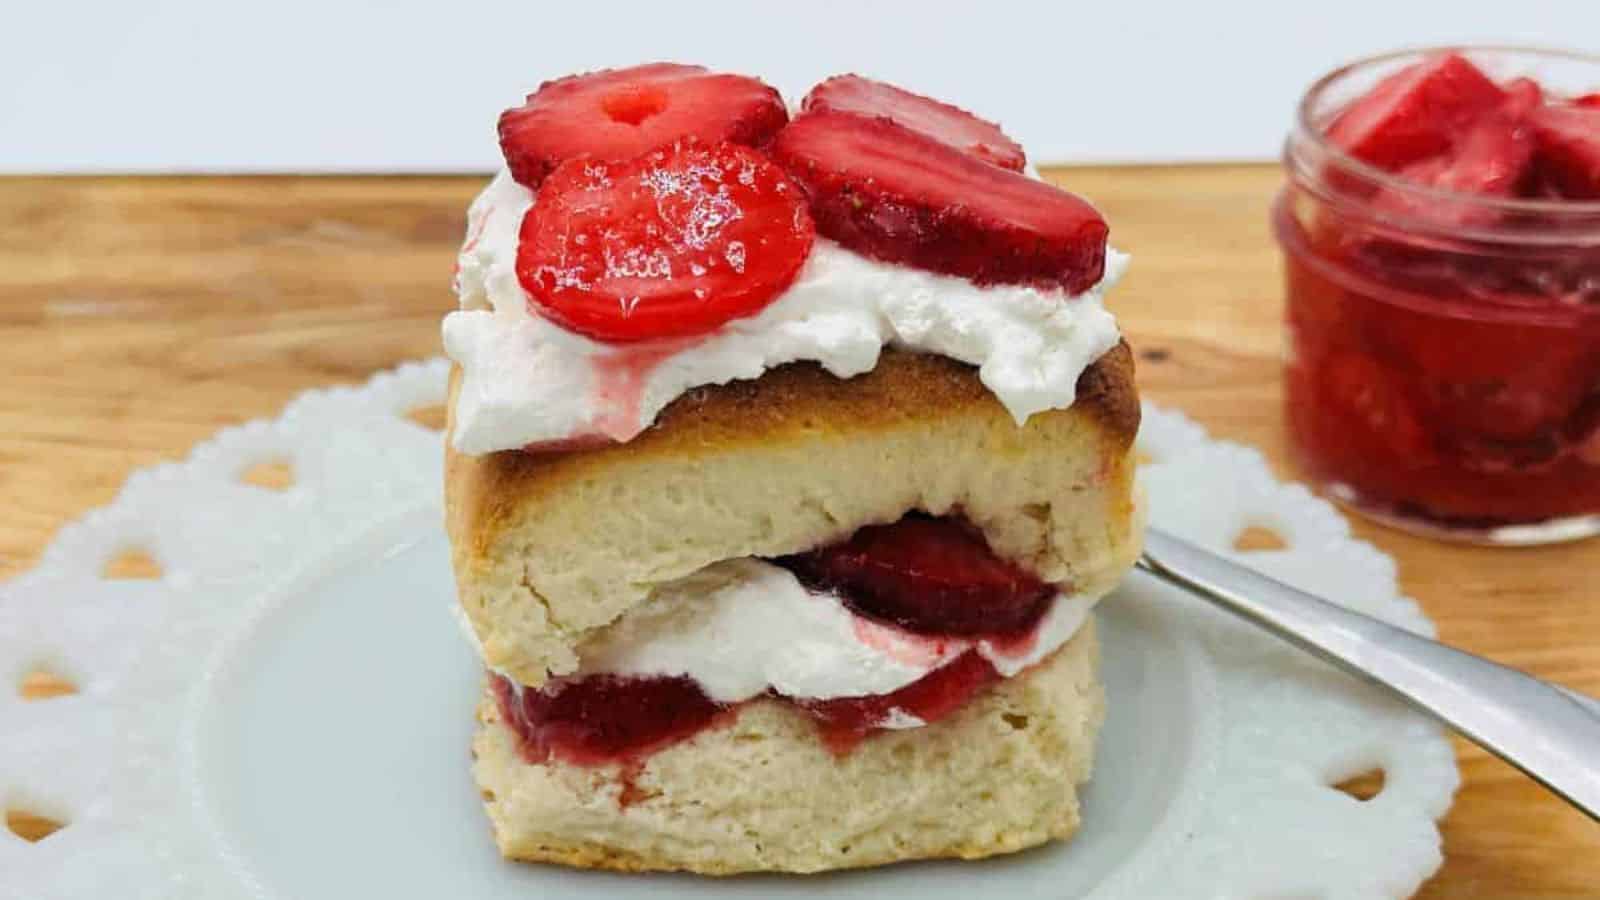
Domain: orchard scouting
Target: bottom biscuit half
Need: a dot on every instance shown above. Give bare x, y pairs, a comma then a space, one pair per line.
762, 794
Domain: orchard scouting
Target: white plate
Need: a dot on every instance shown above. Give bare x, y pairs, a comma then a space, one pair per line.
285, 712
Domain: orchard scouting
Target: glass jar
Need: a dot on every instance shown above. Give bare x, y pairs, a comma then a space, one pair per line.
1443, 362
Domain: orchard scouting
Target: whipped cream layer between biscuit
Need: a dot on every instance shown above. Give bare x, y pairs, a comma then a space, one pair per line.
742, 627
526, 380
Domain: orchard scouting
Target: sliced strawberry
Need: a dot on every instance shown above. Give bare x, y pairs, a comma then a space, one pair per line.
673, 243
1413, 113
934, 576
1569, 149
617, 114
1523, 95
1369, 402
940, 121
1588, 100
1584, 431
891, 193
1492, 159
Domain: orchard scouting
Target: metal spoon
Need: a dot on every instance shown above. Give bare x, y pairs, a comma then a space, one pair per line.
1547, 731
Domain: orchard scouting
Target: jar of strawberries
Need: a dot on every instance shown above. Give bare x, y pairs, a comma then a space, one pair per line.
1441, 234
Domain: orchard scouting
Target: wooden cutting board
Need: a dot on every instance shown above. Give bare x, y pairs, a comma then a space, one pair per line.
140, 315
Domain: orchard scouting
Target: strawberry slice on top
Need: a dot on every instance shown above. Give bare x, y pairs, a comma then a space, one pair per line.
671, 243
941, 121
1413, 113
617, 114
895, 194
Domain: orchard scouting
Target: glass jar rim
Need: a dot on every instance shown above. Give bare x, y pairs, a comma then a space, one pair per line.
1306, 129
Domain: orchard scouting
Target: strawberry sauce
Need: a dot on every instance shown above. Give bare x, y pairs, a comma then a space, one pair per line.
845, 722
603, 719
620, 379
1443, 372
609, 719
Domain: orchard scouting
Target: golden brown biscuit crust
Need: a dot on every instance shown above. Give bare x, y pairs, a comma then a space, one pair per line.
799, 397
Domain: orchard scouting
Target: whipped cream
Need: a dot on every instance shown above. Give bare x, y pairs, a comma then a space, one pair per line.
526, 380
744, 626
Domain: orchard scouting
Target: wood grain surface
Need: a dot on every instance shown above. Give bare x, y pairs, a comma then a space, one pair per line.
141, 315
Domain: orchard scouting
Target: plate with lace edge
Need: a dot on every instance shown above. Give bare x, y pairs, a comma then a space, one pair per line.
258, 690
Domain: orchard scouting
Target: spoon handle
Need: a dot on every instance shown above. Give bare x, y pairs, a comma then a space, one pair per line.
1547, 731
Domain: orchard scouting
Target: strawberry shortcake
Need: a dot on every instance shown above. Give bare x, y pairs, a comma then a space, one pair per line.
788, 456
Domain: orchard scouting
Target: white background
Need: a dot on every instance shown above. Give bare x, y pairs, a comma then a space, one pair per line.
325, 85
